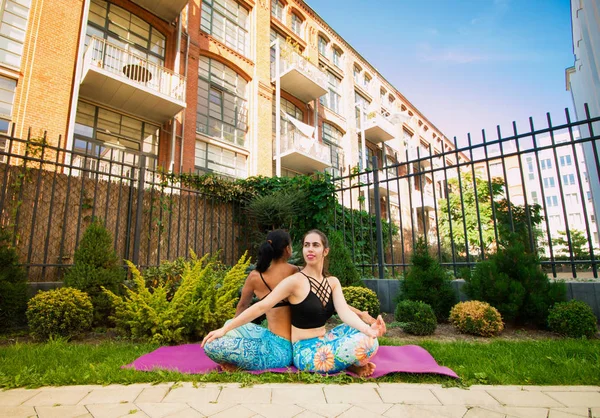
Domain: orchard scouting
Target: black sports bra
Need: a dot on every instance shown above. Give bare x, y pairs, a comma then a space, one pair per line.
316, 308
279, 304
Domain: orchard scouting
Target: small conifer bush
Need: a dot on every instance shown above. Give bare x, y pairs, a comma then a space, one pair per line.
573, 319
13, 286
415, 317
363, 299
63, 312
476, 318
96, 266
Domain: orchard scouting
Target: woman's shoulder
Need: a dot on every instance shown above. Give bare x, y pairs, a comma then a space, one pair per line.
333, 281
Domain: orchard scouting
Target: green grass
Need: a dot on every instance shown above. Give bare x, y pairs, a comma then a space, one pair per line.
543, 362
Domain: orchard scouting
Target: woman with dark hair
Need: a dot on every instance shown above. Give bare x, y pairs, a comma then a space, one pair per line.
313, 298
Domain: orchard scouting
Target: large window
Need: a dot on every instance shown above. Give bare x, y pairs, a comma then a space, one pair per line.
7, 95
222, 102
123, 29
212, 158
110, 135
361, 103
332, 137
333, 98
277, 9
228, 22
14, 15
296, 24
287, 127
322, 46
337, 58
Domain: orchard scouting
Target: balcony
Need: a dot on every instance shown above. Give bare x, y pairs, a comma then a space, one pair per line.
117, 78
378, 128
424, 200
298, 76
303, 154
165, 9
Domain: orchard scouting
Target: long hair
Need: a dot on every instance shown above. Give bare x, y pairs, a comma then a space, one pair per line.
325, 243
272, 249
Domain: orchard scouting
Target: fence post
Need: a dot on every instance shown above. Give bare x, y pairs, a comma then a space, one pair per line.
378, 231
137, 237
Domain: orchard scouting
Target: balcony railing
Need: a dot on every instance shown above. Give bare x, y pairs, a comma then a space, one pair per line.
378, 128
303, 154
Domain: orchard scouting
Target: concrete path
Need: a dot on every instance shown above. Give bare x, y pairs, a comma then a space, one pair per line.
184, 400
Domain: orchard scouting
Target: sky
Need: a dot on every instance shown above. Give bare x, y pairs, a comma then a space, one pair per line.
466, 65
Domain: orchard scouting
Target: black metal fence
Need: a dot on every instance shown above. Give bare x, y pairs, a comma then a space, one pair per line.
464, 201
50, 194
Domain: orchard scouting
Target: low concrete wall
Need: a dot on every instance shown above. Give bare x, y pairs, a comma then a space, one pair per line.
388, 290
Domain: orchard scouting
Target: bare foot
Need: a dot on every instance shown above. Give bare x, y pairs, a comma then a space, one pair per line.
363, 371
226, 367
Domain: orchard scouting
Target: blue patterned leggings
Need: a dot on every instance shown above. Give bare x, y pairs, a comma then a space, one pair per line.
251, 347
338, 349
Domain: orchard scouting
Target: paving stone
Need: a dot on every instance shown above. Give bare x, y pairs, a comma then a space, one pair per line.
14, 397
210, 408
275, 411
245, 395
522, 398
152, 394
297, 395
71, 411
310, 414
455, 396
354, 393
569, 413
326, 410
17, 411
517, 412
186, 413
418, 411
408, 396
563, 388
496, 387
116, 410
190, 394
57, 396
161, 410
595, 412
358, 412
377, 408
237, 411
112, 394
586, 399
477, 412
410, 385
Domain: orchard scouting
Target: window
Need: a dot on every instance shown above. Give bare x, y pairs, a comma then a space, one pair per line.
337, 57
546, 164
548, 182
361, 103
382, 94
589, 196
551, 201
212, 158
529, 164
14, 15
531, 176
277, 9
356, 74
568, 179
322, 46
296, 24
534, 197
574, 219
288, 130
333, 98
332, 136
555, 221
572, 198
228, 22
592, 218
585, 176
565, 160
391, 100
496, 170
222, 102
366, 81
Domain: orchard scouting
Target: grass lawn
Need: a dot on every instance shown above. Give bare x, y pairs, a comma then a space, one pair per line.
542, 362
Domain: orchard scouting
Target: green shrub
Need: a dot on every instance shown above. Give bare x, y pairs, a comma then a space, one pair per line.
13, 286
167, 274
206, 298
96, 266
362, 298
416, 317
340, 261
63, 312
573, 319
426, 280
476, 318
512, 281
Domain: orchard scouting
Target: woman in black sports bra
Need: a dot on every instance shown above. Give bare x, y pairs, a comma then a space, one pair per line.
313, 298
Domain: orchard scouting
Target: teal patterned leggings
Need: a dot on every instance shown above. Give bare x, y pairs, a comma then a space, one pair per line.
251, 347
338, 349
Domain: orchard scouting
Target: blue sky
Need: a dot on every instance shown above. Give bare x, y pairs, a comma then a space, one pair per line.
465, 64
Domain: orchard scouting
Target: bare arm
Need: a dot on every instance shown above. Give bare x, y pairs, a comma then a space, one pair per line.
367, 318
346, 314
282, 290
246, 296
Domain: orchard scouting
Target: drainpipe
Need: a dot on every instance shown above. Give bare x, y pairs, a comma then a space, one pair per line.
185, 72
174, 120
277, 110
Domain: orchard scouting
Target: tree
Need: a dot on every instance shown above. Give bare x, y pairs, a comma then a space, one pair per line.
579, 244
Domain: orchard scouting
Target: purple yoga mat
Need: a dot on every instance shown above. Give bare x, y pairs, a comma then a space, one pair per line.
190, 358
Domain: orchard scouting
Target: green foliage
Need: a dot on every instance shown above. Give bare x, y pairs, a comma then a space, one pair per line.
275, 210
167, 274
415, 317
340, 261
573, 318
476, 318
363, 299
204, 300
426, 280
512, 281
96, 266
13, 285
63, 312
579, 244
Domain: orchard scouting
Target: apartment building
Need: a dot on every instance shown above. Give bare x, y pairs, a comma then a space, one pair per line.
234, 87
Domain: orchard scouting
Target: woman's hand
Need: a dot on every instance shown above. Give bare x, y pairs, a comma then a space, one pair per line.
213, 335
377, 328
